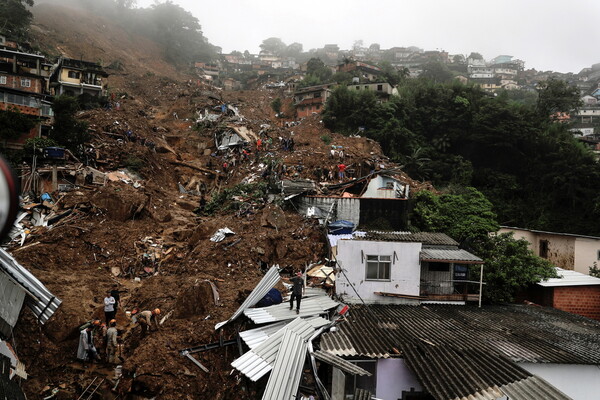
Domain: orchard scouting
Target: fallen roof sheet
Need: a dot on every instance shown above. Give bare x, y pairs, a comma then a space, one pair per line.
285, 378
449, 373
258, 361
450, 255
521, 333
260, 290
39, 299
281, 312
570, 278
256, 336
340, 363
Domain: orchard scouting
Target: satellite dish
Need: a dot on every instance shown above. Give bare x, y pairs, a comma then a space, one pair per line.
9, 197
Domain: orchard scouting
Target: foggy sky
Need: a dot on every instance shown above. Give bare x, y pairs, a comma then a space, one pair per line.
547, 34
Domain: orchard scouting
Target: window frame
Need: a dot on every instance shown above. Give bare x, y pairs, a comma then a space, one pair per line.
3, 79
379, 262
25, 82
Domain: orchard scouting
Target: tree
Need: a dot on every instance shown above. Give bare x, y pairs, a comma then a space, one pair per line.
15, 18
375, 47
509, 267
391, 74
556, 96
273, 45
13, 124
316, 67
126, 4
294, 49
67, 130
436, 72
276, 105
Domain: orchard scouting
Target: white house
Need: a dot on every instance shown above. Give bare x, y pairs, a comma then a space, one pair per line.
404, 268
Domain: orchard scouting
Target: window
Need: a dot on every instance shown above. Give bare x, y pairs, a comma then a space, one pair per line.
74, 74
378, 268
379, 88
358, 88
25, 82
544, 246
2, 80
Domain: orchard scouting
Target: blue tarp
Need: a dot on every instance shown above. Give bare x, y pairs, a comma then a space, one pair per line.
341, 227
273, 297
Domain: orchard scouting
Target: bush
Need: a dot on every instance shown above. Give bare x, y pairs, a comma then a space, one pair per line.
326, 139
134, 163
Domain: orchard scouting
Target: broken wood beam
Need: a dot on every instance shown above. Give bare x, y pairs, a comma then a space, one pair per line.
201, 169
192, 359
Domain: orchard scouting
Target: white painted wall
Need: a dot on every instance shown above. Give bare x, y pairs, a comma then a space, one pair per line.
393, 376
580, 382
377, 188
586, 253
405, 271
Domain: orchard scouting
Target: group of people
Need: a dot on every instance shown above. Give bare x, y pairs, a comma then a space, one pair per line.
106, 334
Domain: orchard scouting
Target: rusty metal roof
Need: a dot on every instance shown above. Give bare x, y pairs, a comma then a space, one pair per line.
521, 333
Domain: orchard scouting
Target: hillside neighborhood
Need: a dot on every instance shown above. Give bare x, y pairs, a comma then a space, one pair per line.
273, 226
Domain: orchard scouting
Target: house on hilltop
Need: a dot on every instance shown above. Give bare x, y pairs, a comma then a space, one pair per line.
76, 77
311, 99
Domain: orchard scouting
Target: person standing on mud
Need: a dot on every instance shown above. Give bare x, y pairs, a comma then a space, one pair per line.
109, 307
297, 291
111, 342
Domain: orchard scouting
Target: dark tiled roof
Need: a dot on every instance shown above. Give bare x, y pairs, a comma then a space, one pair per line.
427, 238
521, 333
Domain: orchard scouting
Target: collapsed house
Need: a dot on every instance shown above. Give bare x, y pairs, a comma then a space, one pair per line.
234, 136
18, 287
378, 201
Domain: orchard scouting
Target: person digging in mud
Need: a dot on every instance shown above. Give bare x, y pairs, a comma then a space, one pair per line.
87, 350
147, 318
297, 291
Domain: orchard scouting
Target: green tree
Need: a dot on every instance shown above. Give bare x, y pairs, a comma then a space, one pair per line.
67, 130
391, 74
15, 18
294, 49
316, 67
274, 45
556, 96
436, 72
509, 267
276, 105
14, 124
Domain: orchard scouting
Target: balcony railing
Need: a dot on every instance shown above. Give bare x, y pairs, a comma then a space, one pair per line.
457, 290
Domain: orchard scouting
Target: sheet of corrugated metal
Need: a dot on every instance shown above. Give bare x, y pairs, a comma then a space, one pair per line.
532, 388
362, 394
429, 254
260, 290
39, 299
11, 301
258, 361
340, 363
338, 343
281, 312
254, 337
285, 378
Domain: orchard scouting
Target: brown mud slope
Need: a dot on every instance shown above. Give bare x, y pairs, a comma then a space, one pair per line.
148, 240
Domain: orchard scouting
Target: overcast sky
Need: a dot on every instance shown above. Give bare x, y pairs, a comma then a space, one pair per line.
547, 34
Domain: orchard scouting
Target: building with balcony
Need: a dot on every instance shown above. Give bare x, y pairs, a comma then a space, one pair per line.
76, 77
311, 99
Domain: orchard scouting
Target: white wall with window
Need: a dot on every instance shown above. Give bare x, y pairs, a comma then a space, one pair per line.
3, 80
371, 266
385, 187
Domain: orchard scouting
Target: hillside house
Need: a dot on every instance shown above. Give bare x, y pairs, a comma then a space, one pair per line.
564, 250
364, 70
311, 99
23, 87
404, 268
382, 89
76, 77
442, 352
376, 201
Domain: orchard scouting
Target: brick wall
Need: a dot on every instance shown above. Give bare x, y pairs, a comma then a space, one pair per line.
580, 300
14, 81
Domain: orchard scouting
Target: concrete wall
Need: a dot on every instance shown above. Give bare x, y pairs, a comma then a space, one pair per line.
393, 376
580, 300
586, 253
405, 271
378, 188
580, 382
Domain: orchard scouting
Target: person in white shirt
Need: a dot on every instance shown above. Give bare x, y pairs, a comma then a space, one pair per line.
109, 307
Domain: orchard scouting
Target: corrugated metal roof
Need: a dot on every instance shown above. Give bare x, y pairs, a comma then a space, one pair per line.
570, 278
285, 378
449, 255
522, 333
11, 302
39, 299
254, 337
281, 312
262, 288
258, 361
340, 363
427, 238
362, 394
532, 387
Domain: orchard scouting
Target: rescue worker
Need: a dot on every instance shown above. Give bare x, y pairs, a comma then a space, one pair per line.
109, 306
111, 342
297, 291
148, 318
86, 350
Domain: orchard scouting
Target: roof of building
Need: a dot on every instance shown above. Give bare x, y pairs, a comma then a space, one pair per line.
450, 256
427, 238
521, 333
549, 233
340, 363
570, 278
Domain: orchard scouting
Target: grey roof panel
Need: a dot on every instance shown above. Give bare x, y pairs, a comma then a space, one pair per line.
427, 238
532, 387
39, 299
256, 336
449, 255
281, 312
340, 363
262, 288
